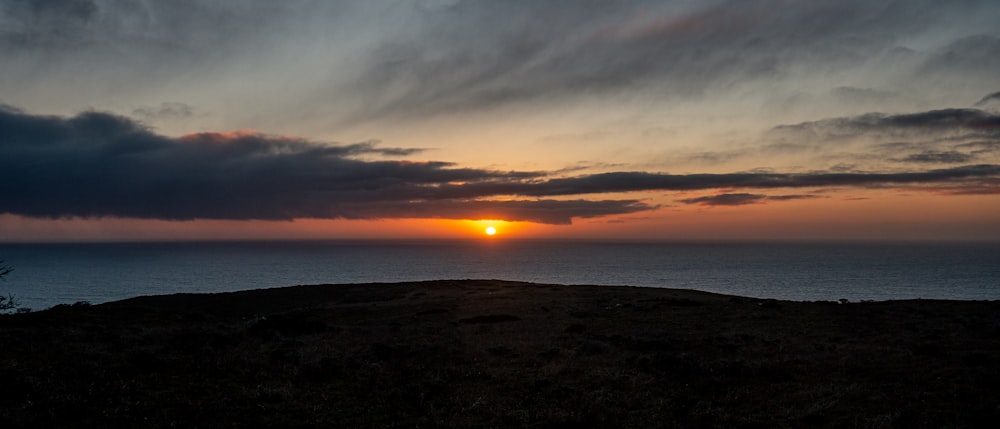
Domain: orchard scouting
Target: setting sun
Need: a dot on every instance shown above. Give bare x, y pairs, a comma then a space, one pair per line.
490, 230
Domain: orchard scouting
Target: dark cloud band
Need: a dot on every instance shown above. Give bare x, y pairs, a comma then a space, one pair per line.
97, 164
642, 181
740, 199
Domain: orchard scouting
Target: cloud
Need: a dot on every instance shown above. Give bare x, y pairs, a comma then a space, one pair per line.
877, 124
866, 141
726, 199
170, 109
644, 181
482, 54
861, 95
63, 26
555, 212
791, 197
253, 139
953, 135
739, 199
38, 23
991, 98
979, 54
985, 187
97, 164
981, 147
949, 157
351, 61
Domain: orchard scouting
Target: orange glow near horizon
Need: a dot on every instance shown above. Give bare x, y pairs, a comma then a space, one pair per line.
491, 228
867, 215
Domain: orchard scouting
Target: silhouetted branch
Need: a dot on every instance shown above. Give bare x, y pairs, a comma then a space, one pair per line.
4, 270
6, 302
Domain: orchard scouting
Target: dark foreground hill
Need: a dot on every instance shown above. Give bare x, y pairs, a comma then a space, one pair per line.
499, 354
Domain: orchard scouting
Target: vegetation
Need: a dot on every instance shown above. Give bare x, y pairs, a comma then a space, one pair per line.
500, 354
6, 302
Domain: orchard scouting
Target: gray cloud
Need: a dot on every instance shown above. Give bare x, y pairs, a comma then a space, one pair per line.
96, 164
176, 28
861, 95
131, 51
985, 187
978, 55
169, 109
956, 135
949, 157
641, 181
879, 124
740, 199
791, 197
356, 60
484, 53
991, 98
981, 147
726, 199
46, 23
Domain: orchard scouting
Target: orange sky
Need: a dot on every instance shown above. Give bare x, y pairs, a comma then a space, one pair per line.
918, 216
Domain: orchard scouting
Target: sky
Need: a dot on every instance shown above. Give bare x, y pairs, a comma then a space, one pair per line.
662, 120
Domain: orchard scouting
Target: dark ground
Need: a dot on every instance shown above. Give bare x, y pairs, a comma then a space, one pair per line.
500, 354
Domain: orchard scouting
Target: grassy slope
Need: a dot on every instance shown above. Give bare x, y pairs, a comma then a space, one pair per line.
500, 354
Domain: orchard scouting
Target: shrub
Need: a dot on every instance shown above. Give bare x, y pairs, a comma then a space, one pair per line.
6, 302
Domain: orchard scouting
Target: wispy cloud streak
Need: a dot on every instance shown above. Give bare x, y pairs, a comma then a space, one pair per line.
740, 199
992, 98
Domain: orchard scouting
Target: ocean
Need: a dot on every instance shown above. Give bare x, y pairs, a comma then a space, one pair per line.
49, 274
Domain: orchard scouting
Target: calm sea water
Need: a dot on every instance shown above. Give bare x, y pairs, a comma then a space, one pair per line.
49, 274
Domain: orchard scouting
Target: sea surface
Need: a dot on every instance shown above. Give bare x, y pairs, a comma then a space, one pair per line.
49, 274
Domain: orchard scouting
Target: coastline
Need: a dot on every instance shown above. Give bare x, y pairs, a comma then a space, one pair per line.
48, 275
474, 353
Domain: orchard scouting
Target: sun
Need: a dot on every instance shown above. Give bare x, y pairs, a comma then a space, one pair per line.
490, 230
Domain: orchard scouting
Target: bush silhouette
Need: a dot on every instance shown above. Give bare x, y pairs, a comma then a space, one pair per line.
6, 302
